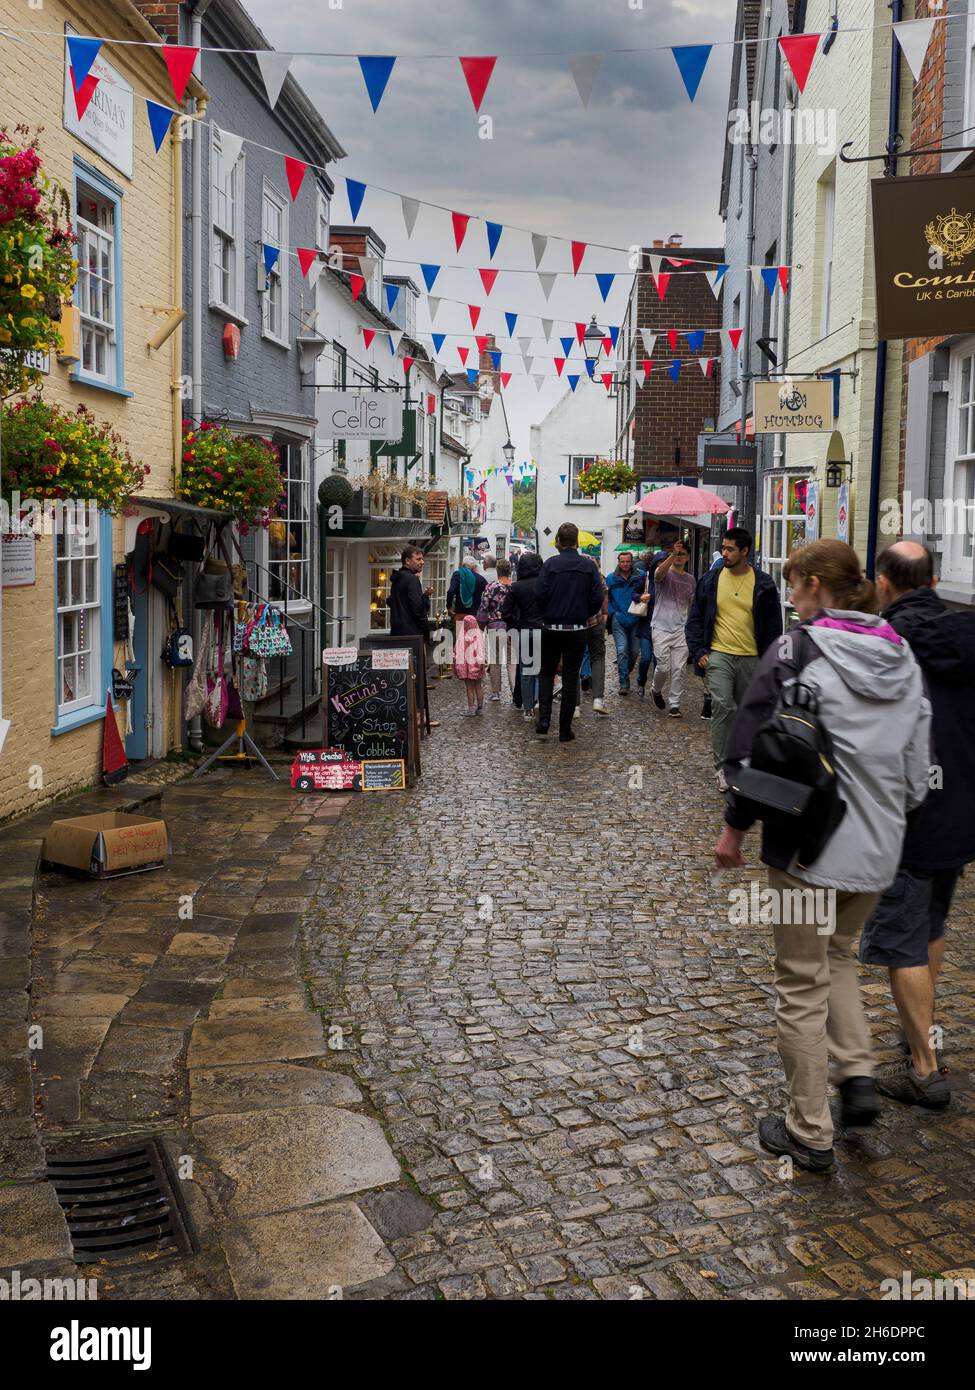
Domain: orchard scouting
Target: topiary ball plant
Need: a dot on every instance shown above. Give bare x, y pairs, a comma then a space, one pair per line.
335, 491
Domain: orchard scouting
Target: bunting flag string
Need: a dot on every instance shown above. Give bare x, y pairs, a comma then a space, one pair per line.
585, 69
160, 119
477, 74
274, 69
411, 208
85, 90
691, 60
81, 54
179, 61
375, 73
914, 36
799, 51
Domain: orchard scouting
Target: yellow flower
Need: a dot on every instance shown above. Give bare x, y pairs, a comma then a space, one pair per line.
27, 291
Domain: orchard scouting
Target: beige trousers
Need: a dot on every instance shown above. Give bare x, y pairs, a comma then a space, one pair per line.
819, 1011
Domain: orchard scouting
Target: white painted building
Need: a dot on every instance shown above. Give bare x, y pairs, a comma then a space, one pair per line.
580, 428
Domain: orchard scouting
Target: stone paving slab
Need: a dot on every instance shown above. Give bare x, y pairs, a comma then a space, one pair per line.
234, 1089
32, 1225
311, 1254
256, 1037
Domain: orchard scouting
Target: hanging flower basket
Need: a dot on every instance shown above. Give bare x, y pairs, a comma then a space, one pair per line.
37, 265
51, 454
231, 473
614, 478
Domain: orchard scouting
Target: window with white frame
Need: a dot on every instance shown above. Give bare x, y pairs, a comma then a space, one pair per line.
826, 259
959, 510
337, 594
77, 609
383, 559
227, 229
289, 534
577, 464
274, 232
97, 230
783, 525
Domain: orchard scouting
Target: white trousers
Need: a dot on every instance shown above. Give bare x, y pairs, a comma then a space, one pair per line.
670, 654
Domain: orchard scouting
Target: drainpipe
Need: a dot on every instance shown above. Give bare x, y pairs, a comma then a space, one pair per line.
785, 244
195, 735
880, 386
752, 160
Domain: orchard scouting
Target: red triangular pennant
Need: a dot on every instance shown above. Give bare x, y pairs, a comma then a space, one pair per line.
784, 277
734, 337
505, 378
84, 93
482, 343
367, 336
607, 379
607, 345
559, 364
295, 169
475, 313
660, 285
580, 332
488, 278
477, 72
306, 258
358, 285
578, 251
179, 63
672, 338
799, 50
670, 260
462, 353
407, 364
460, 221
647, 368
115, 765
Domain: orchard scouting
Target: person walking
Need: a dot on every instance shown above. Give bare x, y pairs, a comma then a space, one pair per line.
489, 618
907, 931
596, 653
521, 615
868, 694
625, 585
644, 636
733, 620
673, 592
465, 589
469, 663
409, 614
568, 593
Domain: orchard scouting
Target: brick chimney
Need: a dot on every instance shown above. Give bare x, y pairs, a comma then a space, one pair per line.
163, 15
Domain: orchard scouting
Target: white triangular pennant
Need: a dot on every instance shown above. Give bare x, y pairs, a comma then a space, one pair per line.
395, 338
367, 267
585, 70
715, 281
230, 146
525, 346
539, 381
914, 35
655, 263
410, 209
704, 363
539, 244
547, 326
547, 281
433, 304
756, 277
274, 69
529, 365
648, 341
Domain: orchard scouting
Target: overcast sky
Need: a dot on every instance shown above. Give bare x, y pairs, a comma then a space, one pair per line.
642, 162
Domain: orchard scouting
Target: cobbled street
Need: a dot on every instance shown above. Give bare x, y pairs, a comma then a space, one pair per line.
570, 1046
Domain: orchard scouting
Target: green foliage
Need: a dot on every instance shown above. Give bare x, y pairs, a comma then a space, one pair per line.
614, 478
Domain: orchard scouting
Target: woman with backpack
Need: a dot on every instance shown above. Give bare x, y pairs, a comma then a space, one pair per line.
838, 707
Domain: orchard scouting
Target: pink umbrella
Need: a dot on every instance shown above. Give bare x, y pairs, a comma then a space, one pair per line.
681, 500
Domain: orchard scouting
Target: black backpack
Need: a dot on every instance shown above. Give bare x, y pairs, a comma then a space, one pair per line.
790, 784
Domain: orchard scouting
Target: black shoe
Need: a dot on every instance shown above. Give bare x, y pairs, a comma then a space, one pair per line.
586, 683
541, 728
706, 708
859, 1103
567, 738
658, 700
776, 1139
901, 1082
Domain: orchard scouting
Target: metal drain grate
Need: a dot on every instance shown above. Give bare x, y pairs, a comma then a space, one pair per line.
120, 1201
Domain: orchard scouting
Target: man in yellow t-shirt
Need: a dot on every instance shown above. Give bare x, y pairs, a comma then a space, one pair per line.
736, 614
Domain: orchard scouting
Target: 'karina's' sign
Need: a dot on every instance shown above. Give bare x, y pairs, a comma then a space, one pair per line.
924, 255
360, 414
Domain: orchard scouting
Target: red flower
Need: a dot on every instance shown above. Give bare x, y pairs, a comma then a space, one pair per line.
188, 456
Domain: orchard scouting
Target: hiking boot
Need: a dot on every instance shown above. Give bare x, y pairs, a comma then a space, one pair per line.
776, 1139
658, 699
675, 713
901, 1082
706, 708
859, 1103
905, 1050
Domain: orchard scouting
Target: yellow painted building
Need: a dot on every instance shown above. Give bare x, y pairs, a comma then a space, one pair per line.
58, 632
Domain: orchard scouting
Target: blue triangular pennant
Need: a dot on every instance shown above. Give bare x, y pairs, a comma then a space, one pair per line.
494, 230
376, 73
496, 361
691, 60
438, 340
770, 275
159, 119
357, 191
567, 344
392, 294
83, 53
605, 283
472, 376
510, 319
562, 477
429, 273
573, 383
469, 474
614, 333
673, 371
271, 254
590, 368
695, 340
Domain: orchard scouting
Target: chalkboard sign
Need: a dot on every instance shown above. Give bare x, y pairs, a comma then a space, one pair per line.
370, 713
120, 614
383, 776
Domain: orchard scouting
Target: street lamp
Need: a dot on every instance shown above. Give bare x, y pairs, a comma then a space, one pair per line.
509, 452
592, 340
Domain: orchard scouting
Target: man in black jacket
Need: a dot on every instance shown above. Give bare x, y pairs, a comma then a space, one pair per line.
569, 592
906, 932
409, 602
734, 618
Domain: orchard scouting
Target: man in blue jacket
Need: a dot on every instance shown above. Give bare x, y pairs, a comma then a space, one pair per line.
735, 617
569, 592
625, 585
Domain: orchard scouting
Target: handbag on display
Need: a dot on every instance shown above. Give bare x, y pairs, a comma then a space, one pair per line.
186, 545
178, 647
214, 582
215, 708
166, 574
196, 687
253, 678
269, 636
